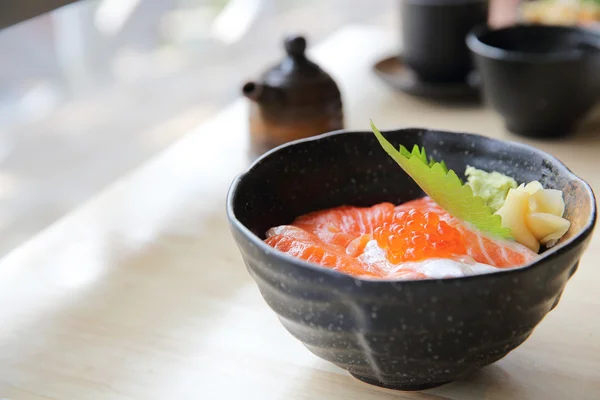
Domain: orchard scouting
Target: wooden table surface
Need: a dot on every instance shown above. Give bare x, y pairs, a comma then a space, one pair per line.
141, 293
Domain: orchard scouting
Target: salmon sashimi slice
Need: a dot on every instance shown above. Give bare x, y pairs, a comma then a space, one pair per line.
424, 204
357, 246
341, 225
501, 254
299, 243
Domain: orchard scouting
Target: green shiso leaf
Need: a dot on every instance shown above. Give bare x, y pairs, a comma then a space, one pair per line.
445, 187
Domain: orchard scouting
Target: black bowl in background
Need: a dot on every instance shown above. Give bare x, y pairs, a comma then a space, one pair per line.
399, 334
542, 79
433, 36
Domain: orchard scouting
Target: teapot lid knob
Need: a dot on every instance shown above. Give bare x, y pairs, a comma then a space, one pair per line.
295, 46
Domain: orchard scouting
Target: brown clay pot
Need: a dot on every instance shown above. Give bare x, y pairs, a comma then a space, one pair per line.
293, 100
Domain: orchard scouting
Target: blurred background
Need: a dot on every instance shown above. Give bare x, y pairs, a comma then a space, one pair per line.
92, 89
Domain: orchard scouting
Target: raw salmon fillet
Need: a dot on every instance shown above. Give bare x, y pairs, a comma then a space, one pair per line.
412, 231
341, 225
302, 244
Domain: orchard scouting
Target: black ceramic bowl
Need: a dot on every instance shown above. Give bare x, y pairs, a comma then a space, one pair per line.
399, 334
542, 79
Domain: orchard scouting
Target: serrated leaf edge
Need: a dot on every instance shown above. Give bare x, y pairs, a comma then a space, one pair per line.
417, 159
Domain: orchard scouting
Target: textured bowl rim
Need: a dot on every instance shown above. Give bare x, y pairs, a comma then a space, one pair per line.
477, 46
548, 254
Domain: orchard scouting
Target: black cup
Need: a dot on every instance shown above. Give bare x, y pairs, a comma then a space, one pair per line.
434, 34
543, 80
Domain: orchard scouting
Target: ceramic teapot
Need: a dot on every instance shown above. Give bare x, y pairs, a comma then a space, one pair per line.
292, 100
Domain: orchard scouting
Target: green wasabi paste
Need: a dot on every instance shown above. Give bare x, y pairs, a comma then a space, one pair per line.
491, 186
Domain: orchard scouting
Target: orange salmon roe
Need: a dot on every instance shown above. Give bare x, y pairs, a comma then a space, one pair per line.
413, 236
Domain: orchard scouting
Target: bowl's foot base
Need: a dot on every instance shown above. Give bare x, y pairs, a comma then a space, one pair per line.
408, 388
